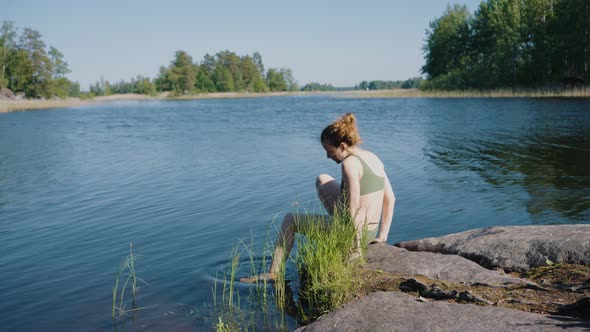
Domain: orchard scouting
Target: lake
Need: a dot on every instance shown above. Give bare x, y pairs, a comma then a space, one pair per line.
185, 181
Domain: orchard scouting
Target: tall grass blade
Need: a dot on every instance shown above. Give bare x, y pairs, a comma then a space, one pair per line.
126, 268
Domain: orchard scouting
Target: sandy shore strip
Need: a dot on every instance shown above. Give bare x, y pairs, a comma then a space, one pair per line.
38, 104
34, 104
26, 104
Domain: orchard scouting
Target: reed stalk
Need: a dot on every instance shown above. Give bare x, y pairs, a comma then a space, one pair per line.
264, 306
127, 271
544, 92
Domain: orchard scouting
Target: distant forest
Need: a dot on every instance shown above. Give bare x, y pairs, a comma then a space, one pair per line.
27, 66
388, 85
509, 43
223, 72
504, 43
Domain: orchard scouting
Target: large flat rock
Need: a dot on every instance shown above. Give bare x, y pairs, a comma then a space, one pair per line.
396, 311
434, 266
513, 248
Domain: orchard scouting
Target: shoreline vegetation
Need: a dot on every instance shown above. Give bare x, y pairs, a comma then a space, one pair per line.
327, 280
39, 104
504, 49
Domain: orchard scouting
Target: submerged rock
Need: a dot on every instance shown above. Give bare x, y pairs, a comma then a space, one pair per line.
513, 248
434, 266
396, 311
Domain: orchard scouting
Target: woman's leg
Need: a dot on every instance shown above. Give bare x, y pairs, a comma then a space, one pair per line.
292, 223
328, 192
284, 242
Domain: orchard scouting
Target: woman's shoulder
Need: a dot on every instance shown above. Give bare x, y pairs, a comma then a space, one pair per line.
371, 159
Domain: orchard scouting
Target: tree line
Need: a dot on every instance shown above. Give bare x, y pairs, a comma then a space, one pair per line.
27, 65
223, 72
410, 83
140, 85
314, 86
509, 43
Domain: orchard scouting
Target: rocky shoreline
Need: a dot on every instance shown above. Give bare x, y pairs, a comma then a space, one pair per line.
521, 278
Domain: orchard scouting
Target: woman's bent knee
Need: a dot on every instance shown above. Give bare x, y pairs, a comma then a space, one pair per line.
322, 179
289, 217
288, 222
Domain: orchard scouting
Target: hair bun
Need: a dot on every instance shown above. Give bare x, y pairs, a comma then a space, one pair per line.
342, 130
349, 119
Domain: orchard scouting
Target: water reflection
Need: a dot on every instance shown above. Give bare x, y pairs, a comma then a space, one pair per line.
551, 167
186, 180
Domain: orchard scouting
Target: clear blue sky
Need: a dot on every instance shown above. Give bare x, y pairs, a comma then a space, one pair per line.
337, 42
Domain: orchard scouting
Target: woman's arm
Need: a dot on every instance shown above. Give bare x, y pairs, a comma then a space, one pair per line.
387, 211
351, 179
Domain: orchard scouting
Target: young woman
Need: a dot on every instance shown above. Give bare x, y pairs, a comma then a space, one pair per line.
365, 190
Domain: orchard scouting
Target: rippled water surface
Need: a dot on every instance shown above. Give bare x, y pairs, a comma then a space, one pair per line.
186, 180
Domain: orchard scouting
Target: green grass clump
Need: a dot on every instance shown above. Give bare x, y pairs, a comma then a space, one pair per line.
222, 327
329, 278
127, 272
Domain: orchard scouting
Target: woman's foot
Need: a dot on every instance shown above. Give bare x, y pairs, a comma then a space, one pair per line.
264, 276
